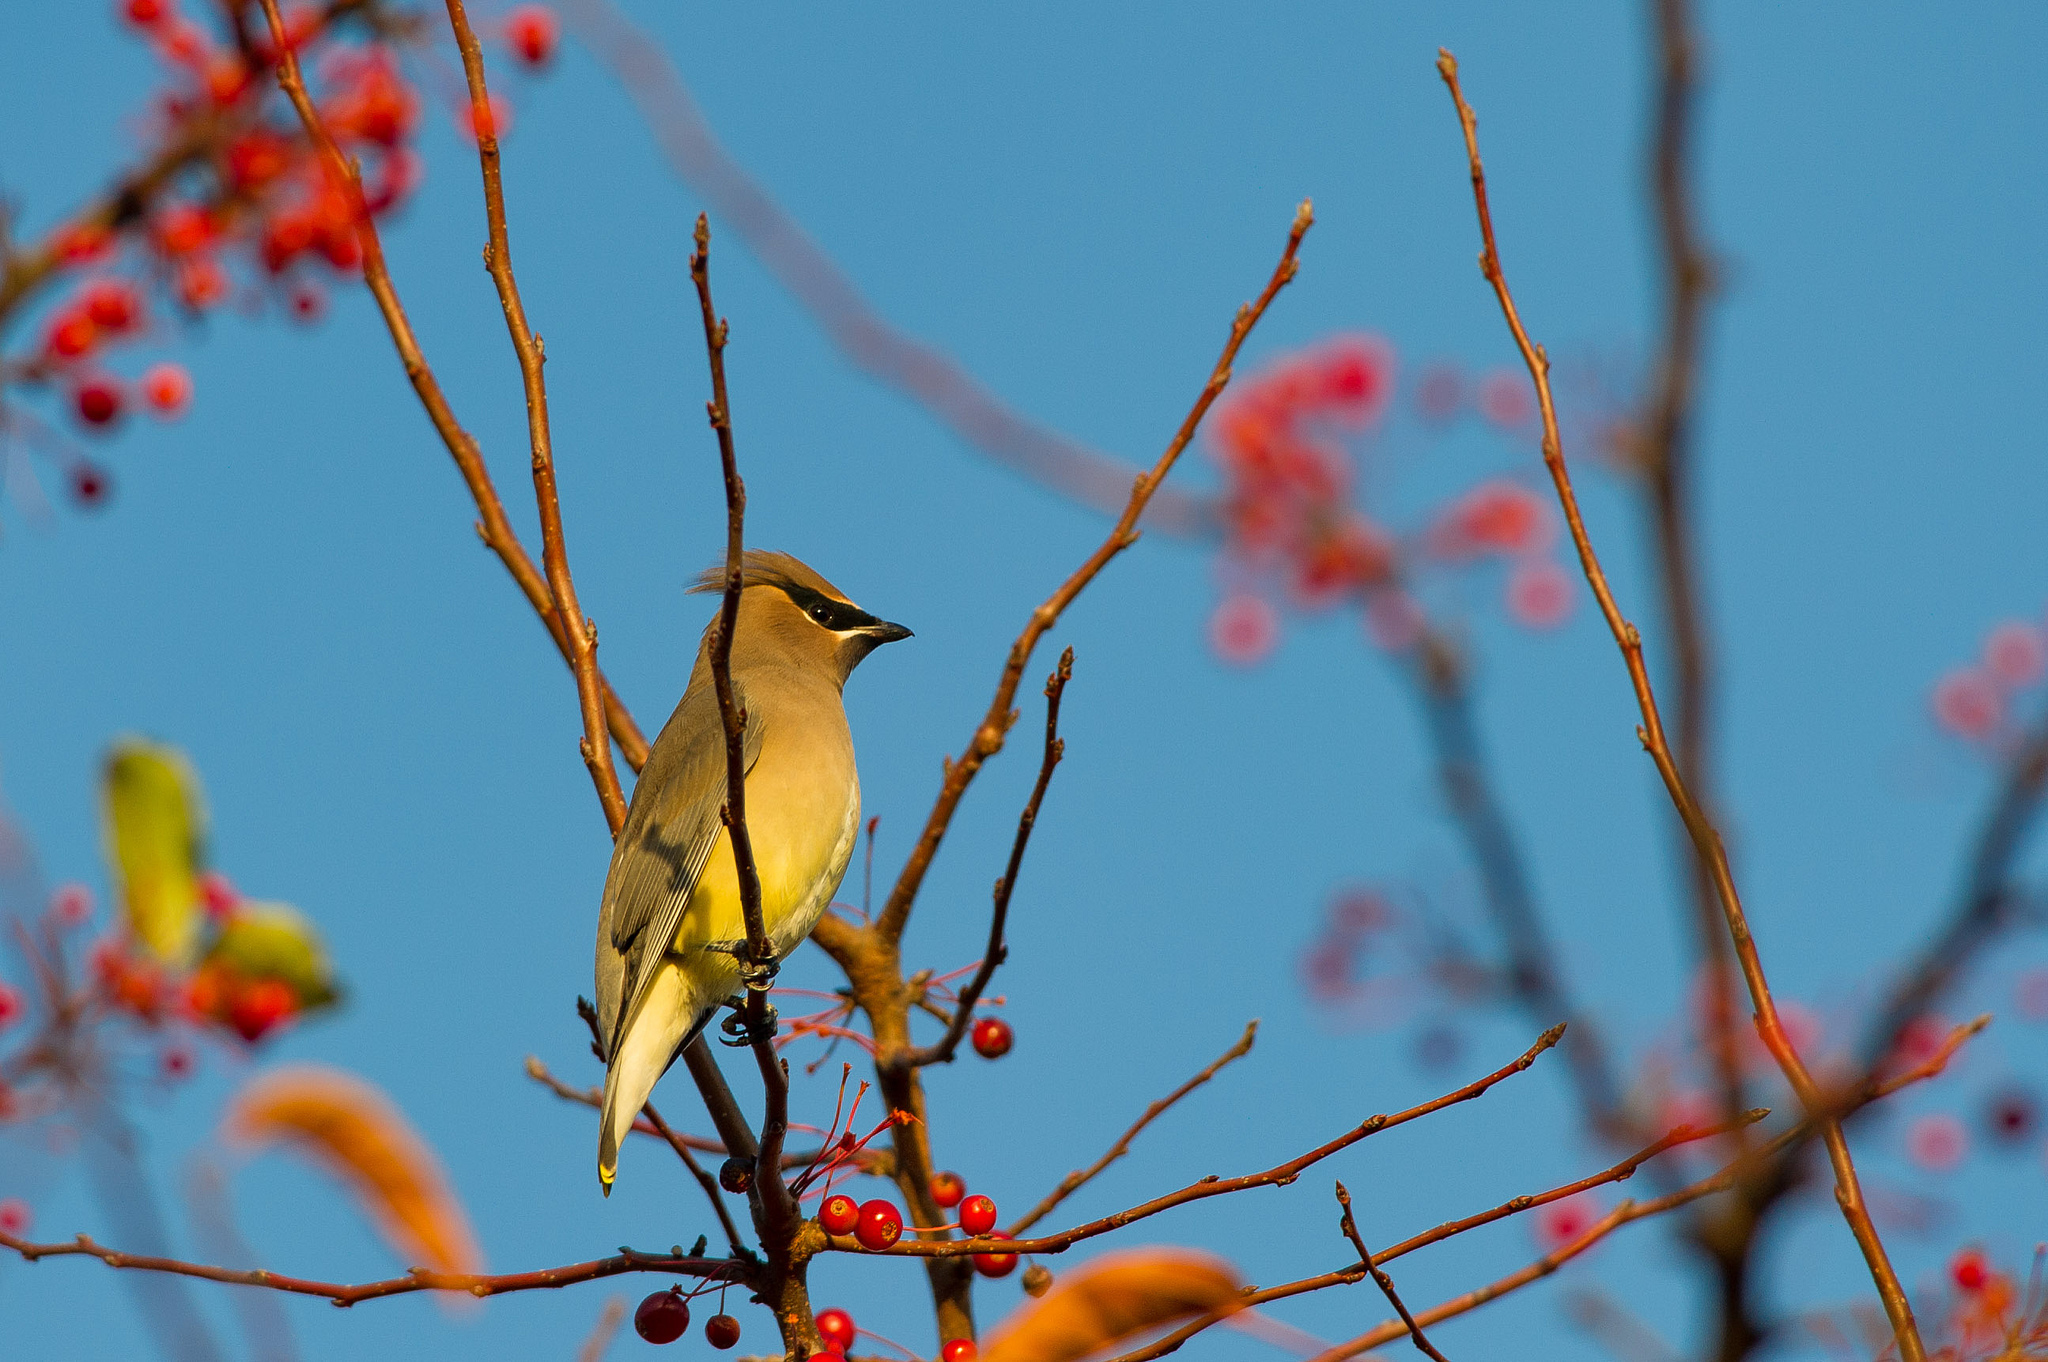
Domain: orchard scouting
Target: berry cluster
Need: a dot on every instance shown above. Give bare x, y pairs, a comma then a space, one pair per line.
1976, 702
1284, 439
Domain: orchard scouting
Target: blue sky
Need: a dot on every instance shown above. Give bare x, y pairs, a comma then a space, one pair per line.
1071, 202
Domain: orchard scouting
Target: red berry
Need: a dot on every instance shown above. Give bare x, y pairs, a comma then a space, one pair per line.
995, 1264
14, 1217
88, 484
217, 895
83, 241
662, 1317
839, 1214
307, 303
72, 333
98, 401
167, 388
533, 32
112, 304
2011, 1115
145, 13
947, 1189
71, 905
958, 1350
182, 229
736, 1175
835, 1326
881, 1225
992, 1037
10, 1004
177, 1060
721, 1331
201, 283
978, 1215
259, 1008
1969, 1271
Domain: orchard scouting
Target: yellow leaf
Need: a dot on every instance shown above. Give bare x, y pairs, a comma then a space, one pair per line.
1113, 1298
274, 941
156, 837
354, 1131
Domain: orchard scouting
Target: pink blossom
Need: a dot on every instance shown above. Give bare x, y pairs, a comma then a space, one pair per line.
1244, 628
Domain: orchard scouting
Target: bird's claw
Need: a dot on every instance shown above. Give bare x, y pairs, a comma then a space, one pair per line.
740, 1030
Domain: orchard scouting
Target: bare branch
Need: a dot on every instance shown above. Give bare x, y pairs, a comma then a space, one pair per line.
1379, 1275
578, 633
1706, 840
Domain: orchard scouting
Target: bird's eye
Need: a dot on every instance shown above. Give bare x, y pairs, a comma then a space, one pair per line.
822, 614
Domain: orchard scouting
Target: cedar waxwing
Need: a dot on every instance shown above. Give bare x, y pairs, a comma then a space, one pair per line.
671, 925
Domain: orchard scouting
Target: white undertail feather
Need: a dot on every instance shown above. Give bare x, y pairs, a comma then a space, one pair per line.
664, 1018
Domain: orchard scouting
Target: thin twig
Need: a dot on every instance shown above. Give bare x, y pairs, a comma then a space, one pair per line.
1075, 1180
995, 724
579, 634
493, 528
712, 1192
417, 1279
599, 1341
1277, 1176
943, 1050
1386, 1283
1706, 840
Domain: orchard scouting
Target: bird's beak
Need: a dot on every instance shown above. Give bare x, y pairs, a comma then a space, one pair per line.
885, 632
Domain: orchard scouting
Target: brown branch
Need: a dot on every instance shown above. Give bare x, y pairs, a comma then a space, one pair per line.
493, 527
995, 725
1379, 1275
416, 1279
926, 375
1074, 1181
943, 1050
1706, 840
1278, 1176
1628, 1211
712, 1192
579, 634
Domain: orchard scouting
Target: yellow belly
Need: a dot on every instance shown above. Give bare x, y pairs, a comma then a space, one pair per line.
801, 849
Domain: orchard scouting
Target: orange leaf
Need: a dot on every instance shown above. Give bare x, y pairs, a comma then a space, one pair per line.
1112, 1299
357, 1134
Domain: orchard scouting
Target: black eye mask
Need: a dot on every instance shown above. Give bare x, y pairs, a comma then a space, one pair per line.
838, 616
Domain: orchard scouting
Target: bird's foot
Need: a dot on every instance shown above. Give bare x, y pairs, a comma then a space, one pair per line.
756, 974
741, 1029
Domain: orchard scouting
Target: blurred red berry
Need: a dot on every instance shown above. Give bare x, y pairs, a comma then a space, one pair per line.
167, 389
260, 1007
1497, 516
995, 1264
839, 1214
144, 13
1969, 1271
72, 333
1967, 703
1540, 594
10, 1005
993, 1037
285, 238
14, 1217
835, 1326
1937, 1142
721, 1331
2011, 1115
533, 32
1244, 628
88, 482
98, 400
217, 894
662, 1317
2016, 653
71, 905
181, 229
1439, 393
1505, 400
200, 283
177, 1061
307, 303
257, 157
80, 242
1562, 1222
113, 305
978, 1215
958, 1350
947, 1189
1357, 376
227, 80
881, 1225
494, 119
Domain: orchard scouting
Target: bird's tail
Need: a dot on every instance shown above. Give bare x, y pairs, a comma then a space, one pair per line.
649, 1046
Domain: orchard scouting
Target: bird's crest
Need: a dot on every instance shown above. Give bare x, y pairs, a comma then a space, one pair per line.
765, 567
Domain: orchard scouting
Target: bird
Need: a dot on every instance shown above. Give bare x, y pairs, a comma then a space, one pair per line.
670, 932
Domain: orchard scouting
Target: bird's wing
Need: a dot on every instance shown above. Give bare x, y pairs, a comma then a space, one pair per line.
663, 848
